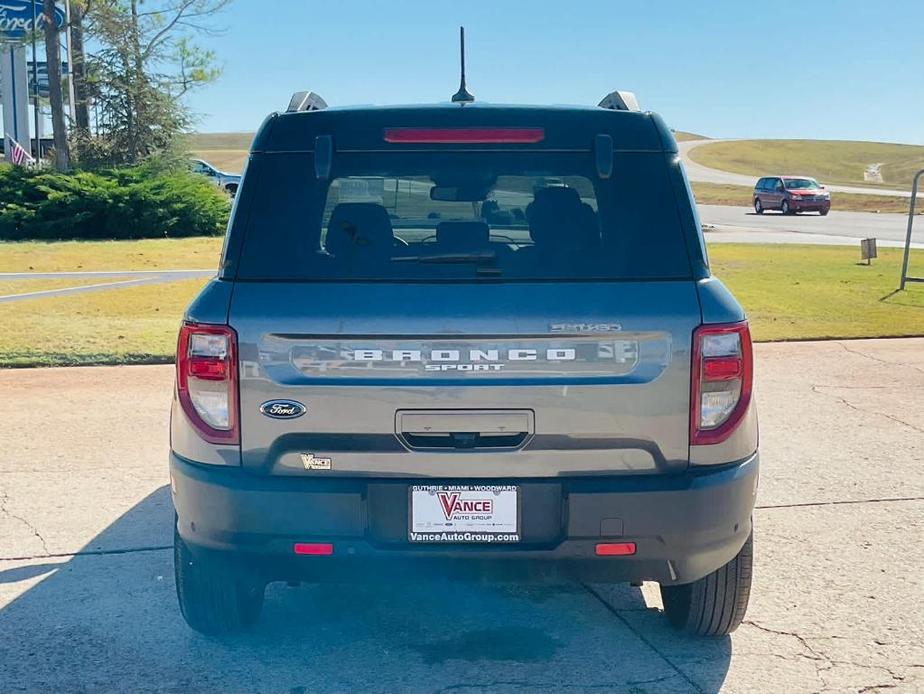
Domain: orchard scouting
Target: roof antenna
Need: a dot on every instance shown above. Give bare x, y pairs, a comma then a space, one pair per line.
462, 96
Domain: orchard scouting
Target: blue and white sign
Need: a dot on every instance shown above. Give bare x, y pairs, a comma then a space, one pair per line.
16, 17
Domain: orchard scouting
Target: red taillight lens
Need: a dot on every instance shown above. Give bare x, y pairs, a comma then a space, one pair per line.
461, 136
316, 549
722, 376
206, 380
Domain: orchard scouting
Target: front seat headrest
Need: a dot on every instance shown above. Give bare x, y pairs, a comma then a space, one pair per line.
359, 228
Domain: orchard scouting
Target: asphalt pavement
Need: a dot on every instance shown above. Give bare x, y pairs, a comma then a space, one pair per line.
87, 598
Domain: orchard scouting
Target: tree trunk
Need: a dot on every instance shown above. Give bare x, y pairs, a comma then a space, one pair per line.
79, 68
55, 96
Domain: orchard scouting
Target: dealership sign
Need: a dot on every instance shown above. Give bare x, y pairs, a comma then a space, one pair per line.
17, 16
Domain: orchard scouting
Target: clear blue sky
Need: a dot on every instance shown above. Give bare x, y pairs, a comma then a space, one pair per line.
849, 69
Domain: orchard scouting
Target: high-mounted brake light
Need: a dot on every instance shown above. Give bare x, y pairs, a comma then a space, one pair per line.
206, 380
316, 549
462, 136
722, 376
615, 549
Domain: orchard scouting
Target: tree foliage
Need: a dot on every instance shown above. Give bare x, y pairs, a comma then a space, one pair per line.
147, 62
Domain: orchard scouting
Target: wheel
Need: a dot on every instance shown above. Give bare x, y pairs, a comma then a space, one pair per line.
758, 207
714, 605
214, 598
784, 208
823, 213
232, 189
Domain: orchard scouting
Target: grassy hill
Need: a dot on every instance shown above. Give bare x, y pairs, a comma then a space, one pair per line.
831, 161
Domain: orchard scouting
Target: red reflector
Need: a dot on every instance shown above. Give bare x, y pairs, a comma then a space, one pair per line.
448, 136
615, 549
209, 369
721, 368
314, 548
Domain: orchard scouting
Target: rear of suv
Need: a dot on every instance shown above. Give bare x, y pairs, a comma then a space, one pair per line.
791, 195
466, 340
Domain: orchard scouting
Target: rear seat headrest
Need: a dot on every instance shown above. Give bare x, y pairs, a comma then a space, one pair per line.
559, 218
359, 228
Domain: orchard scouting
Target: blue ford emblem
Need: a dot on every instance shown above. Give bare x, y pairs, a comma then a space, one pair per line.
283, 409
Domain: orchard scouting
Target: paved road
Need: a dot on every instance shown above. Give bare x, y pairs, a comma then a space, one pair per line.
843, 228
107, 280
87, 598
698, 172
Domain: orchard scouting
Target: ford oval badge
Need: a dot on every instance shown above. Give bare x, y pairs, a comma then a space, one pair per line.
283, 409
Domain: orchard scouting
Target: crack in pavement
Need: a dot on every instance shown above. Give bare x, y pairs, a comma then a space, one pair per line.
641, 637
844, 401
90, 553
823, 662
4, 498
878, 359
841, 502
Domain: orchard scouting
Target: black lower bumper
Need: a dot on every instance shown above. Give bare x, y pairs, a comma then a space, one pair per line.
684, 526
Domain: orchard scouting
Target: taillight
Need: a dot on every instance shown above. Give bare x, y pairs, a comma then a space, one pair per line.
722, 376
206, 380
456, 136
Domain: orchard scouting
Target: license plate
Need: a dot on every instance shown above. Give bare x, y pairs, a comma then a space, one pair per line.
464, 513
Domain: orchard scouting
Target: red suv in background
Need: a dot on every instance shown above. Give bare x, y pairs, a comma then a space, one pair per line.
791, 194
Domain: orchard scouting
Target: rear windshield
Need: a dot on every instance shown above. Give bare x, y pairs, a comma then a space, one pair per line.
451, 216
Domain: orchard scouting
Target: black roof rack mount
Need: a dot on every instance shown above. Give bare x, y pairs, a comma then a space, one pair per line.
620, 100
306, 101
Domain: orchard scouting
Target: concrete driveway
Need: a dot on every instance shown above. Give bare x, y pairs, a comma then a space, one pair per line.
86, 587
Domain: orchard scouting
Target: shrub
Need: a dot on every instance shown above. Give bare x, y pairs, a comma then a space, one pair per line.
144, 201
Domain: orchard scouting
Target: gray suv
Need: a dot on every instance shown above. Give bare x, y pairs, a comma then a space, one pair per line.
466, 340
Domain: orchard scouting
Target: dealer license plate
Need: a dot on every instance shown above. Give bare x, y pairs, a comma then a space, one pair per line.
464, 513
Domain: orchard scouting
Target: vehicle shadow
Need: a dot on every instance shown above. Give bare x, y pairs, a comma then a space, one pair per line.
107, 621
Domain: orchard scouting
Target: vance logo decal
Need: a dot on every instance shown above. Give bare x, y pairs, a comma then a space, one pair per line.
283, 409
453, 506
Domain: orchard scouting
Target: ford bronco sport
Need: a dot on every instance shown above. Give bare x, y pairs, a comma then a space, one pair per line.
464, 339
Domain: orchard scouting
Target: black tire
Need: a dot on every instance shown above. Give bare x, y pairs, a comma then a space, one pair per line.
823, 213
784, 207
758, 207
215, 598
714, 605
231, 188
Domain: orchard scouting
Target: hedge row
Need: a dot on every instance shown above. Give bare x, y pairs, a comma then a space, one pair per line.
129, 203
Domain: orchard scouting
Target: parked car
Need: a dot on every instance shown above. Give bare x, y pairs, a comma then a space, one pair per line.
791, 195
393, 386
228, 182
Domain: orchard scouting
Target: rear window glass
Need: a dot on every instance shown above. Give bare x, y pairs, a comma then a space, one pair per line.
427, 216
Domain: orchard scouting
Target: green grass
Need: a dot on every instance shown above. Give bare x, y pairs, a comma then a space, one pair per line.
724, 194
830, 161
239, 141
817, 292
681, 136
119, 326
789, 292
200, 253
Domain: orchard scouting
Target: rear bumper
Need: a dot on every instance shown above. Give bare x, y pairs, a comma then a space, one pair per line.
684, 526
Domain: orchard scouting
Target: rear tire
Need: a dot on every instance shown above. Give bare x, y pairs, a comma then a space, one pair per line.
714, 605
215, 598
758, 207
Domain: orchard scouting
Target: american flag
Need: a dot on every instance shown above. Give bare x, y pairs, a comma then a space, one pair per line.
18, 153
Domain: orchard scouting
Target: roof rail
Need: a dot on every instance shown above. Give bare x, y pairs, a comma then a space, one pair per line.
620, 101
306, 101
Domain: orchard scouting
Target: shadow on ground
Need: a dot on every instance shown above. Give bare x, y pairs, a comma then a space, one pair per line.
108, 622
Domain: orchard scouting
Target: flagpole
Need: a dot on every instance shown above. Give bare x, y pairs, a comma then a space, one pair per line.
35, 103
